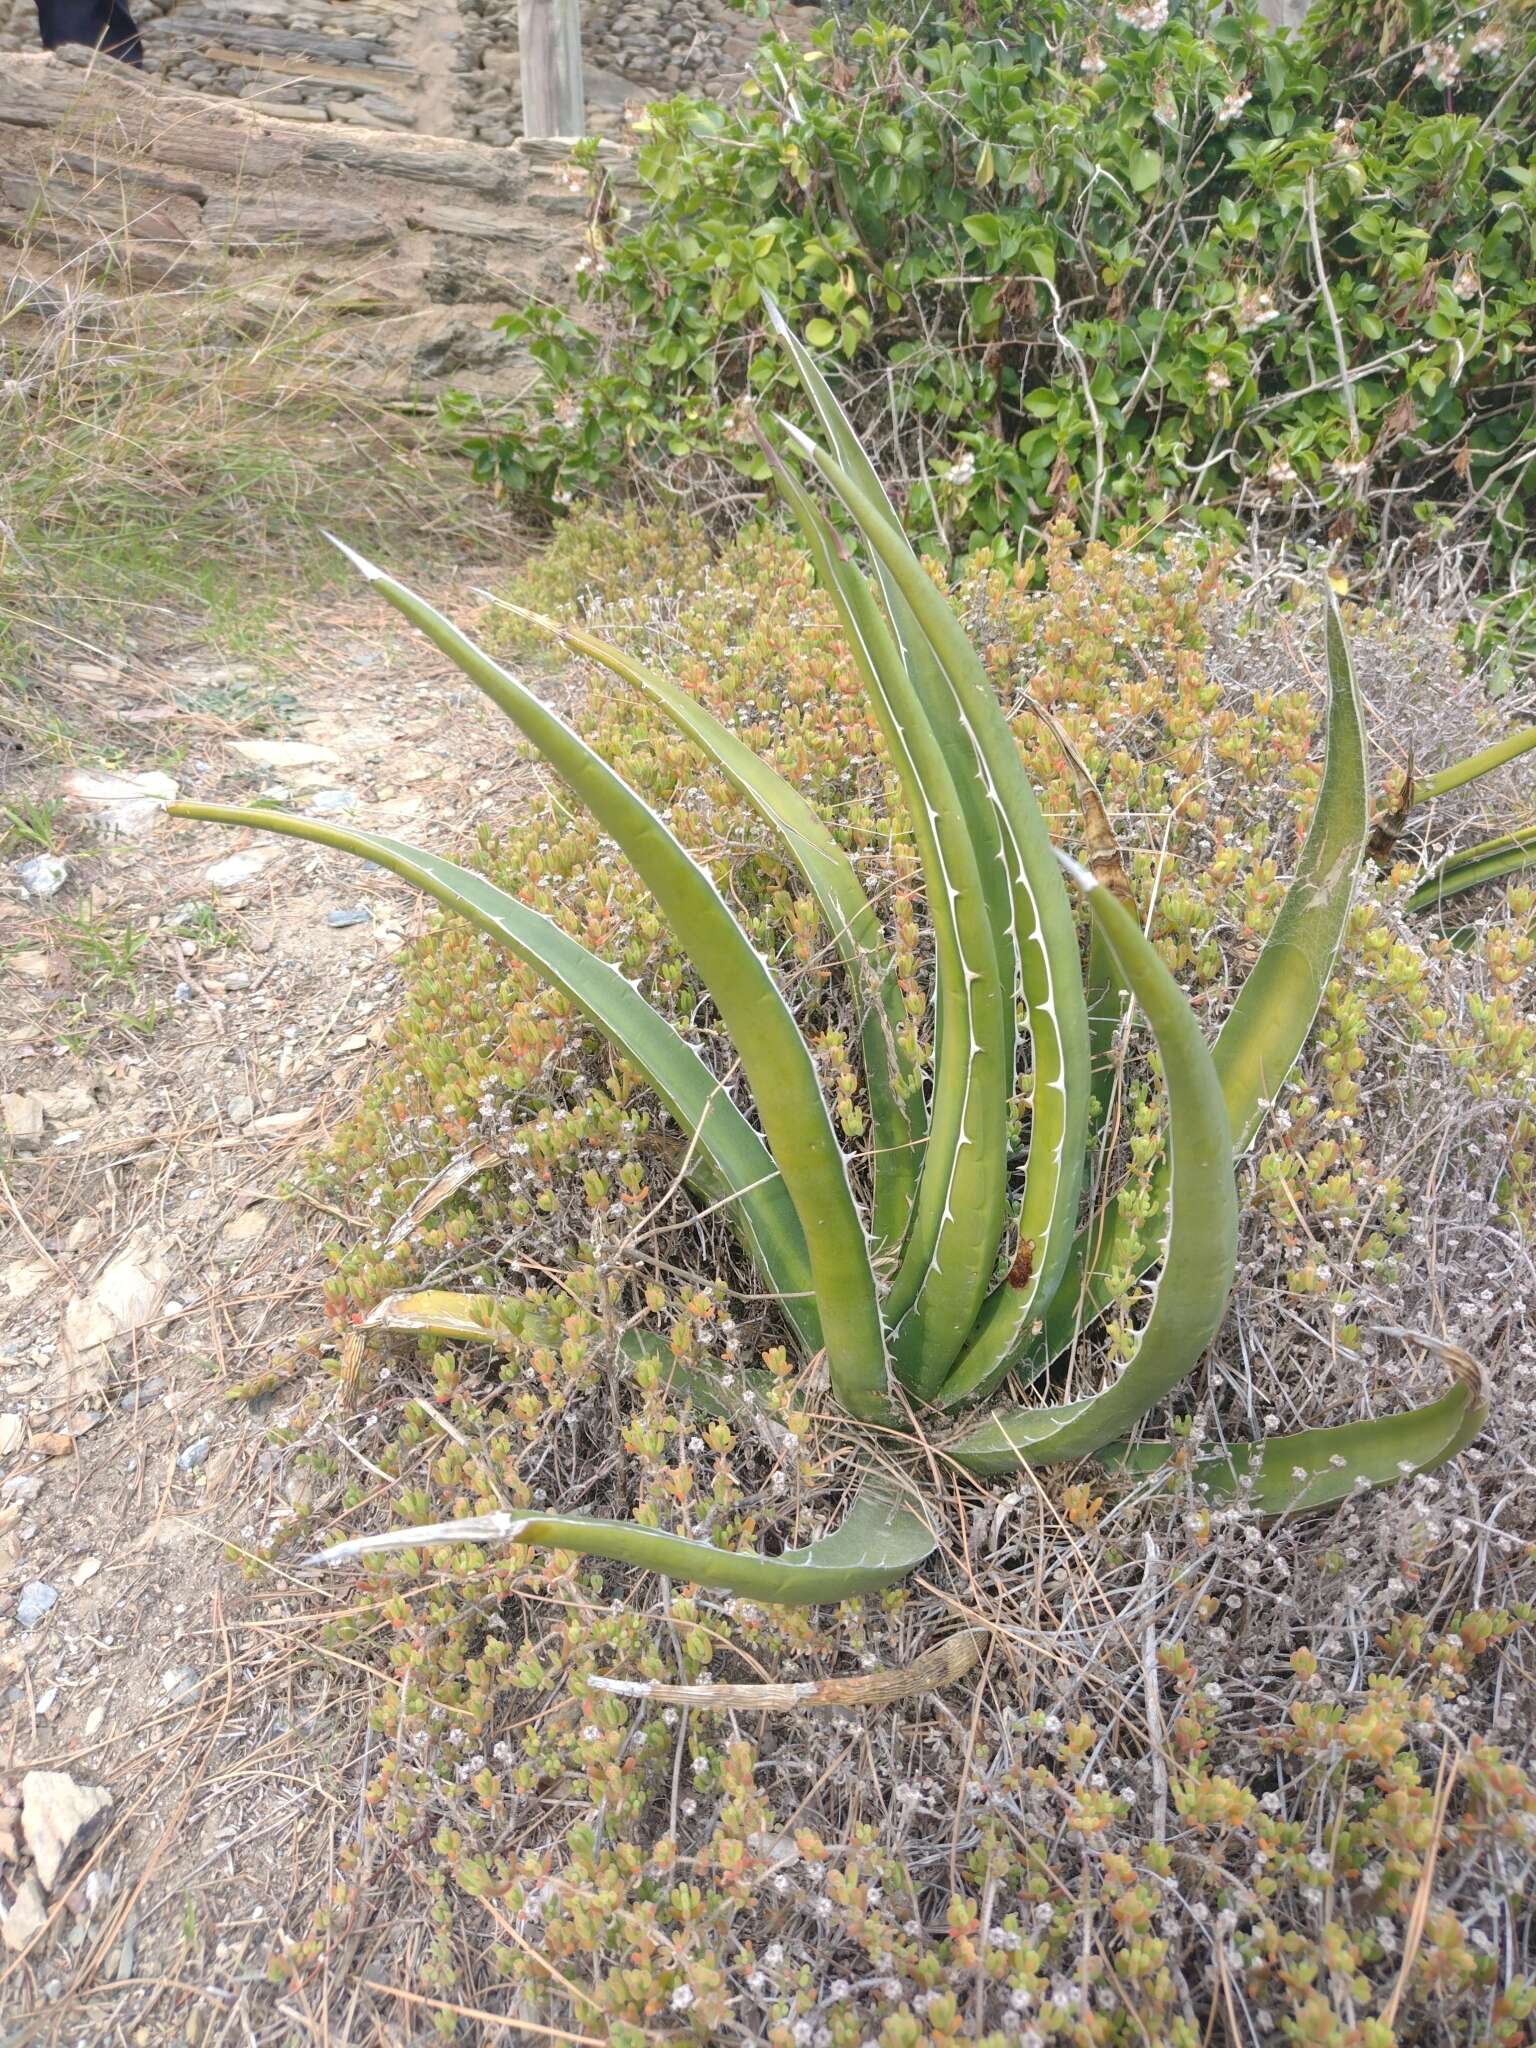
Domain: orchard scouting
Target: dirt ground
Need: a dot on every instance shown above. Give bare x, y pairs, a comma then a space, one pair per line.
184, 1029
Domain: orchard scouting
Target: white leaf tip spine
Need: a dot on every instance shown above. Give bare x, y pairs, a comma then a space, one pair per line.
368, 570
1081, 877
500, 1528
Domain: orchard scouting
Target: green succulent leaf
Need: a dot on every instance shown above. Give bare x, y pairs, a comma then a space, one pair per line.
1315, 1468
919, 661
960, 1204
897, 1109
1485, 762
777, 1062
1200, 1254
1044, 931
1273, 1016
730, 1163
1275, 1011
880, 1540
1490, 861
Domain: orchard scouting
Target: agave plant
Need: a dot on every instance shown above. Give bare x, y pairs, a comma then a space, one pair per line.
944, 1284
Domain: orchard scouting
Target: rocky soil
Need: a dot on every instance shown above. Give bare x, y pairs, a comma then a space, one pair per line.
183, 1012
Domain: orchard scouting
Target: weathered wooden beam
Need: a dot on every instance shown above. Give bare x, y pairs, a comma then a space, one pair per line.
549, 54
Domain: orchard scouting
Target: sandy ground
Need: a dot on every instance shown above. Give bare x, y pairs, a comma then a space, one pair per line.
186, 1030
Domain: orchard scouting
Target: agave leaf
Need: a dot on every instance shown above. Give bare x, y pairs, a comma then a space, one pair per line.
1106, 1007
730, 1161
1315, 1467
1474, 865
1046, 936
777, 1062
1201, 1251
960, 1205
879, 1541
1273, 1015
897, 1110
918, 660
1503, 751
1103, 986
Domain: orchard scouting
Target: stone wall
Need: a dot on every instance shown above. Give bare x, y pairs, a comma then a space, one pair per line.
318, 62
404, 248
433, 67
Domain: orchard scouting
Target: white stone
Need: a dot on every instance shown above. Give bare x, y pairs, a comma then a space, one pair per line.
27, 1917
283, 753
235, 870
58, 1819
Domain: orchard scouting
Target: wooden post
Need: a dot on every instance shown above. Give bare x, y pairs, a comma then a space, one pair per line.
549, 48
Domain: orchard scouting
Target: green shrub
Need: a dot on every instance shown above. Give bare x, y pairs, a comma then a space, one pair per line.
1110, 270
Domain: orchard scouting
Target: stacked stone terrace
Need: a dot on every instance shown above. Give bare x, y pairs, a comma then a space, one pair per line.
432, 67
359, 157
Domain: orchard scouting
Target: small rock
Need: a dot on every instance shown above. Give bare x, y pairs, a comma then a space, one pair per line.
24, 1277
194, 1455
339, 920
125, 1295
86, 1569
34, 966
93, 1721
36, 1599
283, 753
241, 1109
66, 1105
245, 1228
45, 1702
181, 1681
127, 806
285, 1119
20, 1488
27, 1917
239, 979
236, 870
42, 876
23, 1120
13, 1432
136, 1397
333, 802
59, 1819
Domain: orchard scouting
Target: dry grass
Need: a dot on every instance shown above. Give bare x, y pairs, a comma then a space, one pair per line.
170, 448
175, 438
